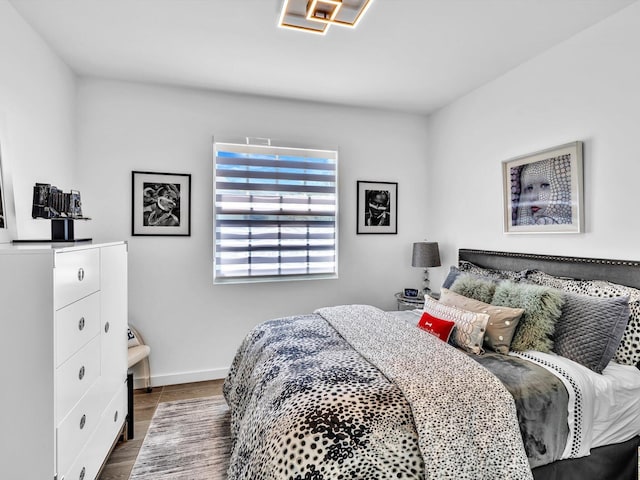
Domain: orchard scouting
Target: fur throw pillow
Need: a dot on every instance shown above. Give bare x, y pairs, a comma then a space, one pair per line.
472, 286
542, 308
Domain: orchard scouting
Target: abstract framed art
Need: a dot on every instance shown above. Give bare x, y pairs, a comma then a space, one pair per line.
377, 207
161, 204
543, 191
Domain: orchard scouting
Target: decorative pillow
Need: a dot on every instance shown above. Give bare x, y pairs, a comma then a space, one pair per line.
454, 273
590, 328
542, 308
436, 326
481, 272
132, 339
471, 286
470, 326
502, 320
469, 267
628, 352
561, 283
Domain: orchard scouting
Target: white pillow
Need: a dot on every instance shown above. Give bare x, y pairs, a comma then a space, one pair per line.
470, 326
132, 339
502, 320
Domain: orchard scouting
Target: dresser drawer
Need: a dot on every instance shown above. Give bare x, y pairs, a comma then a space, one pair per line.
76, 375
87, 464
76, 324
77, 428
112, 421
76, 275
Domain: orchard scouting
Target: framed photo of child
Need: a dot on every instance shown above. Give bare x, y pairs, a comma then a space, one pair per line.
377, 207
543, 191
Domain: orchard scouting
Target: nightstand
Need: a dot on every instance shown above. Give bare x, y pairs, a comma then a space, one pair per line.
412, 303
408, 303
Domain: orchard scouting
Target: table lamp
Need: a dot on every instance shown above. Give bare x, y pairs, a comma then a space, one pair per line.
425, 255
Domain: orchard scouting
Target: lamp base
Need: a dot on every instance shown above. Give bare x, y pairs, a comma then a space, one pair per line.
425, 284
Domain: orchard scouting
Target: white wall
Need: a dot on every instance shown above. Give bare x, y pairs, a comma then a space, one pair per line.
450, 186
193, 326
584, 89
37, 119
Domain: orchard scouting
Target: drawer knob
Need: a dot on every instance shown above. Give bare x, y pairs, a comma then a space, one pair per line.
106, 327
80, 274
115, 416
83, 421
81, 324
81, 373
82, 473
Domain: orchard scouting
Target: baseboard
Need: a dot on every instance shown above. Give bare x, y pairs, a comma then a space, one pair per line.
186, 377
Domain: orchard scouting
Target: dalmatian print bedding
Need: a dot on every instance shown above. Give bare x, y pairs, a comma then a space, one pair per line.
468, 429
305, 404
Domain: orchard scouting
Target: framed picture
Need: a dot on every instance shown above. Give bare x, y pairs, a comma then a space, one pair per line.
377, 207
543, 191
161, 203
3, 209
7, 209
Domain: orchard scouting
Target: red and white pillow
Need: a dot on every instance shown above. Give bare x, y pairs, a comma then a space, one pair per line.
436, 326
470, 327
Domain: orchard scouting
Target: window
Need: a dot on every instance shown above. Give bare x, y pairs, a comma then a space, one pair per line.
275, 212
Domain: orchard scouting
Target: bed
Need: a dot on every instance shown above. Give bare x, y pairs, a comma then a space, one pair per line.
354, 392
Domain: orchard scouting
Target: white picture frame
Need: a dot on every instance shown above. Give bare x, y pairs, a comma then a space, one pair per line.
7, 208
542, 191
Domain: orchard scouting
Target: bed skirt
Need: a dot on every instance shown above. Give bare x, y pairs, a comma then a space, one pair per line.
610, 462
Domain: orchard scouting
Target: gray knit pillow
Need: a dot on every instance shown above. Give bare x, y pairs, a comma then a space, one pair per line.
542, 308
590, 328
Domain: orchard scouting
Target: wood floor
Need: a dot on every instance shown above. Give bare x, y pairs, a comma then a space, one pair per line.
123, 457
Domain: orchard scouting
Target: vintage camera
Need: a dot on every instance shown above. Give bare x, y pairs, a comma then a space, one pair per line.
51, 202
75, 204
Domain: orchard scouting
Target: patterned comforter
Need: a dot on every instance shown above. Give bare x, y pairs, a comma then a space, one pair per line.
348, 393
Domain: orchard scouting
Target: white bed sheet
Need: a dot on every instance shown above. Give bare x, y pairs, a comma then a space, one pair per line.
610, 405
617, 408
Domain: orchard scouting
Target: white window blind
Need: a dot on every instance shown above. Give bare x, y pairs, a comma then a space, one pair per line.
275, 212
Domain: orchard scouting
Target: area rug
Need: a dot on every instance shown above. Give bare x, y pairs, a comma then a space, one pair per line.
187, 440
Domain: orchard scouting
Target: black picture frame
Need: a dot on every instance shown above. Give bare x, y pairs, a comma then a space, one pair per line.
377, 207
160, 204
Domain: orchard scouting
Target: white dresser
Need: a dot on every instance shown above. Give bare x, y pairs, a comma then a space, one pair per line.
63, 358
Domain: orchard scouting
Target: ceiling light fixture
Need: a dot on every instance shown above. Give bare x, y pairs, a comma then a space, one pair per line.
316, 16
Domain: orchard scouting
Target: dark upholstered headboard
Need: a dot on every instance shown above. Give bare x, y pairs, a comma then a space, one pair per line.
618, 271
